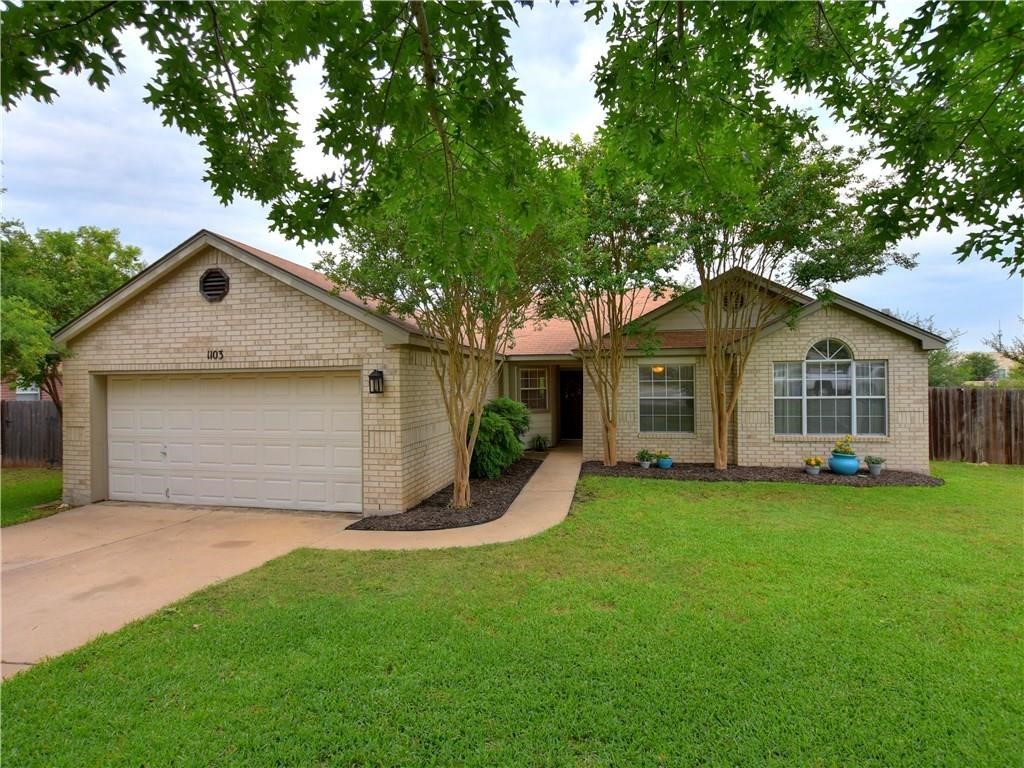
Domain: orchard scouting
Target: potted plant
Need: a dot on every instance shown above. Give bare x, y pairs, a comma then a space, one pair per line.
644, 457
874, 464
538, 443
843, 460
813, 465
664, 460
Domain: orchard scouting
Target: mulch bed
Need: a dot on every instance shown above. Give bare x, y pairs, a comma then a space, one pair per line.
491, 498
708, 472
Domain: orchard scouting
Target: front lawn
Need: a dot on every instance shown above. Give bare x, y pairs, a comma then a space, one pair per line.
21, 489
662, 624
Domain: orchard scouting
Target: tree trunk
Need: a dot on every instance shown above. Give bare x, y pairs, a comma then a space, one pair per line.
461, 497
51, 386
719, 413
721, 435
611, 450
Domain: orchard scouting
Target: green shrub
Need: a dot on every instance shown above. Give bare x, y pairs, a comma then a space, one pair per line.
538, 443
514, 412
497, 447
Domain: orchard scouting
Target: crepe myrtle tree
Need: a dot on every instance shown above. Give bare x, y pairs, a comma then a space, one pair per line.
799, 234
49, 278
937, 94
614, 258
467, 288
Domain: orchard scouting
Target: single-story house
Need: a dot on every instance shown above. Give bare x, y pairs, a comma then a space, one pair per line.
225, 375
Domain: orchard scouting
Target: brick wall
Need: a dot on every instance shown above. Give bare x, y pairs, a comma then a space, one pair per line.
905, 446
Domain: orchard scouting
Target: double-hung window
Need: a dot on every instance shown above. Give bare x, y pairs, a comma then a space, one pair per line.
666, 398
533, 388
830, 393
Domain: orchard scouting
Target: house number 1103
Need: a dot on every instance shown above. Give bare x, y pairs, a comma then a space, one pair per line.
215, 354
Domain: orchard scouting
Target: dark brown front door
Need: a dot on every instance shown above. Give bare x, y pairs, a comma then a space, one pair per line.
570, 404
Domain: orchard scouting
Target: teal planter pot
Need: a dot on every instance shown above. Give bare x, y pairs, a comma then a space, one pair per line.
664, 463
843, 464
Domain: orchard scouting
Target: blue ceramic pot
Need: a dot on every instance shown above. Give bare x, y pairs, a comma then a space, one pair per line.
664, 463
843, 464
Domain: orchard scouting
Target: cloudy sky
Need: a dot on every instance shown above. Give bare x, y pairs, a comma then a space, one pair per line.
105, 159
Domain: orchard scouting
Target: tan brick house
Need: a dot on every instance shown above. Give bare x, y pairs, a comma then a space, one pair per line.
222, 374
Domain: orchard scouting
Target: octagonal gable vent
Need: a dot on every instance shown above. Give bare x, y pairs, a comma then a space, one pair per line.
214, 284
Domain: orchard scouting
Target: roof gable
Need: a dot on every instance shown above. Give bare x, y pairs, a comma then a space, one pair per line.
927, 339
301, 278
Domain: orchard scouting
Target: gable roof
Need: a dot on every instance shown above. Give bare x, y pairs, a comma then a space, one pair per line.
396, 330
926, 338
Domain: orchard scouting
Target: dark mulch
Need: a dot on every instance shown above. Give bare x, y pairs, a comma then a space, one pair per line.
759, 474
491, 498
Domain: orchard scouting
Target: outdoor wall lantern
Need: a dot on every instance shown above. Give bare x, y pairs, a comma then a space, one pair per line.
376, 382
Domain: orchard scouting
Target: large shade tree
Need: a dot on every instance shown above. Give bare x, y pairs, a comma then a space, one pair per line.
614, 259
938, 95
49, 278
424, 152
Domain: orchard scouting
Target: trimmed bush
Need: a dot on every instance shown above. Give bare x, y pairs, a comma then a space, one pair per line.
514, 412
497, 447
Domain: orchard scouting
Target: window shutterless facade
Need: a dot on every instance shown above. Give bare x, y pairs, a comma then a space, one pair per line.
666, 398
533, 388
830, 393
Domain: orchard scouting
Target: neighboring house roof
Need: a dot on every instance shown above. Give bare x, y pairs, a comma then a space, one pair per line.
308, 281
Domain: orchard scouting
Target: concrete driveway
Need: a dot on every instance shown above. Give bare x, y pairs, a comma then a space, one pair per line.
90, 570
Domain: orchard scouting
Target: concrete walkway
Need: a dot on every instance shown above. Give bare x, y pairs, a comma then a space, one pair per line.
544, 502
72, 576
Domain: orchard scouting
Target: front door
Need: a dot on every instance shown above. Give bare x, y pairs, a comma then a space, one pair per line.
570, 402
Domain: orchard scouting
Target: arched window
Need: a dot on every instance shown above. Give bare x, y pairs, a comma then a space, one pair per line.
830, 393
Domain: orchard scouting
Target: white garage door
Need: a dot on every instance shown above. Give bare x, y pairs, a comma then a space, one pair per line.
286, 441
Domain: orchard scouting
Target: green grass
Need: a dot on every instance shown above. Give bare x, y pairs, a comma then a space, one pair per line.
662, 624
23, 488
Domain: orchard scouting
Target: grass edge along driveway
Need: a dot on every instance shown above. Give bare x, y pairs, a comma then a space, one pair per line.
22, 488
662, 624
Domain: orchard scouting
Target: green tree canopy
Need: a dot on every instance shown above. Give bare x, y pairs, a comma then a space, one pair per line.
939, 96
978, 366
49, 279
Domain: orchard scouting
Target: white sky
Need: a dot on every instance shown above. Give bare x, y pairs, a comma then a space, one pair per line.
105, 159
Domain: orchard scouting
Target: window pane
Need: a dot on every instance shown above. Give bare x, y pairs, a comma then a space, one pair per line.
829, 349
666, 398
666, 415
871, 416
787, 417
533, 388
844, 380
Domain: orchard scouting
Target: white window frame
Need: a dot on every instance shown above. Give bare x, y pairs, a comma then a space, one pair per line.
545, 389
692, 398
853, 396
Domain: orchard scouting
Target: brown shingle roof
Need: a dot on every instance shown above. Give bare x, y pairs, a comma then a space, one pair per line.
320, 281
556, 336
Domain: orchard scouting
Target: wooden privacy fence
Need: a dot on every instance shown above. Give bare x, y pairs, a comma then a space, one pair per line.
976, 424
30, 433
